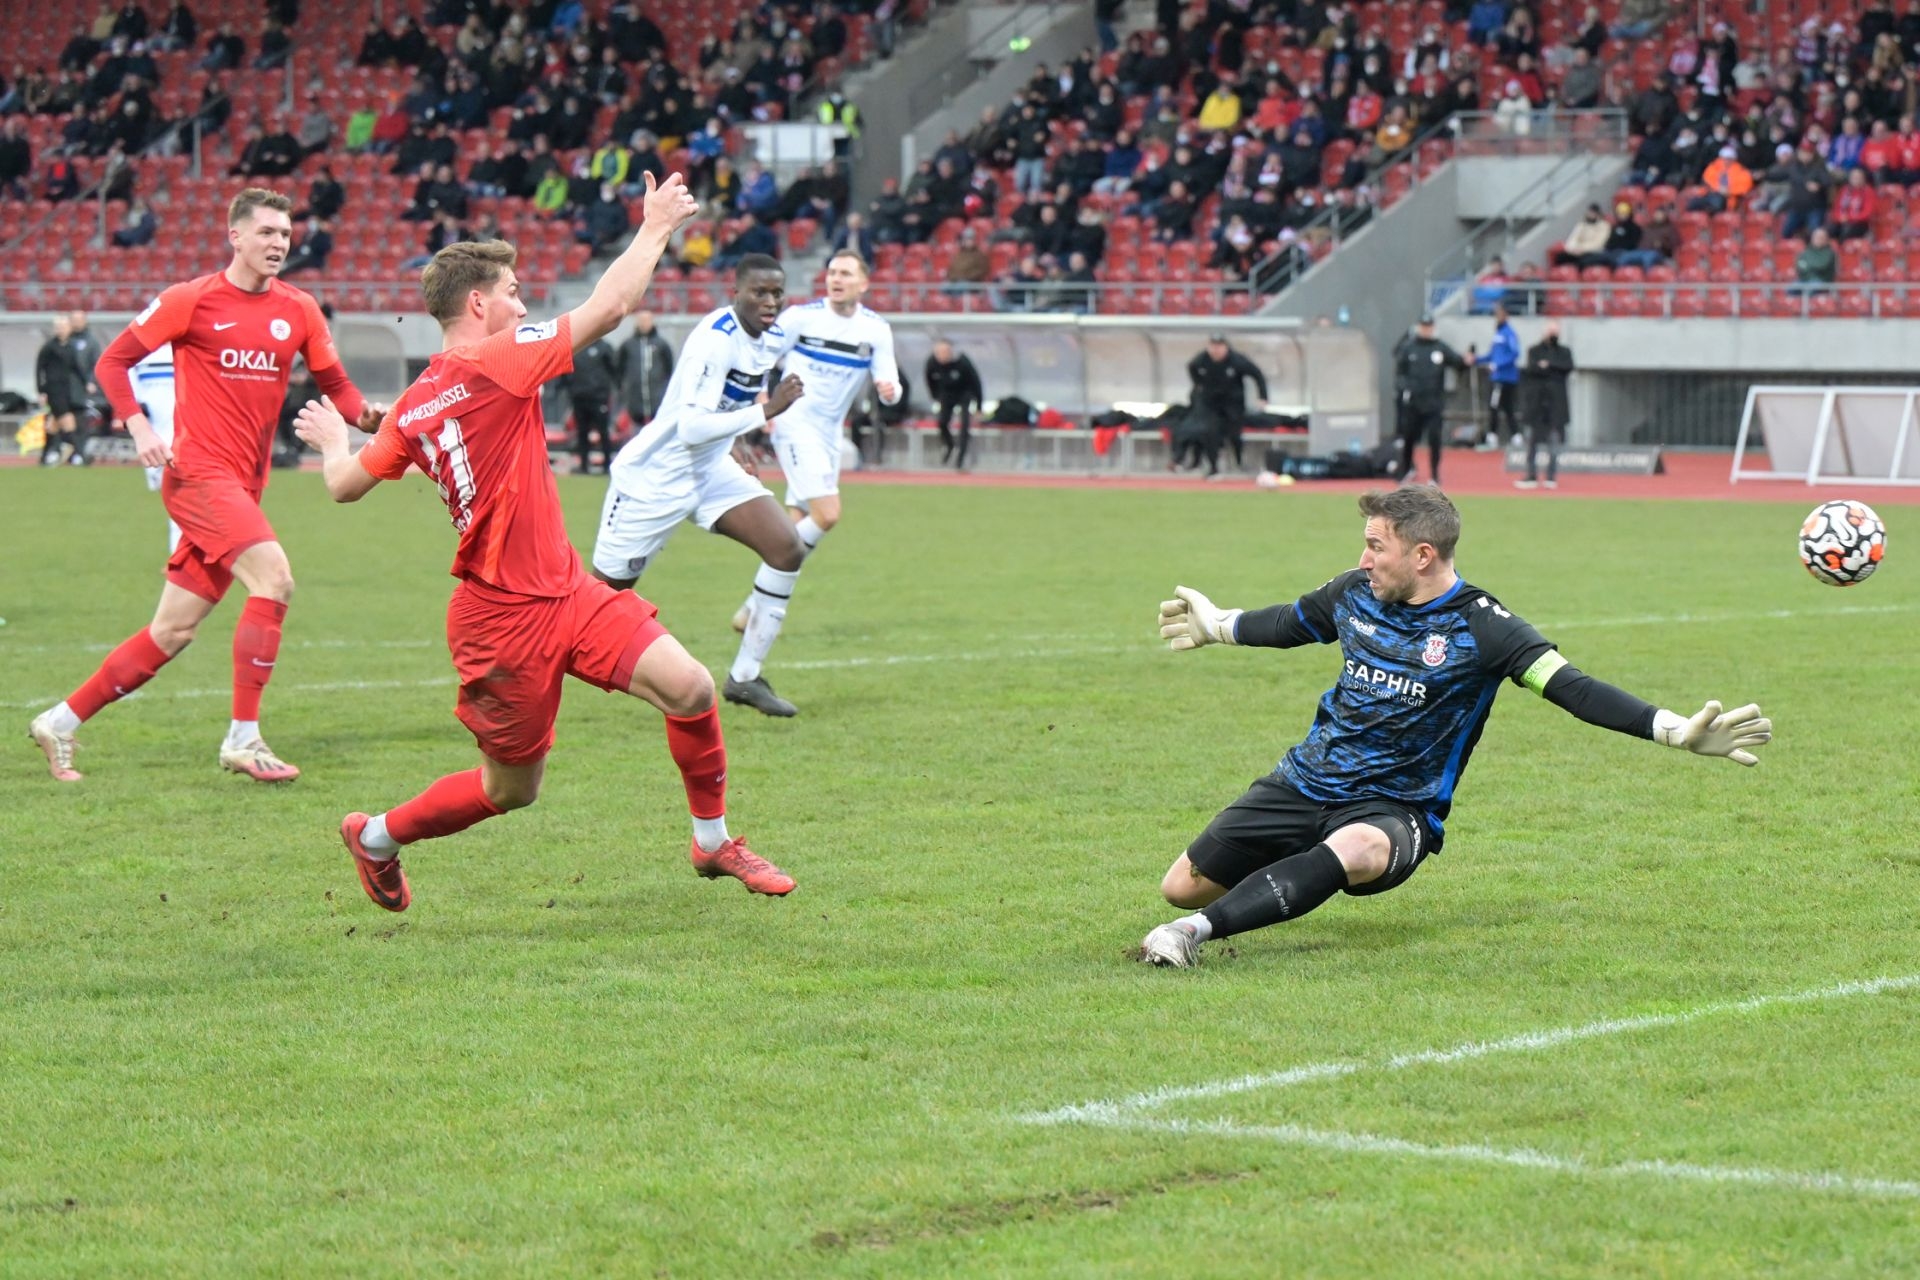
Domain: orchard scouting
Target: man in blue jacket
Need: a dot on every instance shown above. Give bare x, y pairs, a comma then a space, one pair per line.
1503, 396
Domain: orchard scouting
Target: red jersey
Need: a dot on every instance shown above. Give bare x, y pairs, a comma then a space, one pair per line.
232, 354
472, 421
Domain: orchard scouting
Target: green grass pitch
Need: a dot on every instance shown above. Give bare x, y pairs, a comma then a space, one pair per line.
574, 1057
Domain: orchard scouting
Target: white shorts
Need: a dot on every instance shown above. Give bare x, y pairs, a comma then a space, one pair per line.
811, 463
633, 527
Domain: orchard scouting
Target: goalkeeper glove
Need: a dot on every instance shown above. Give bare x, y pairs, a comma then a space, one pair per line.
1190, 620
1712, 732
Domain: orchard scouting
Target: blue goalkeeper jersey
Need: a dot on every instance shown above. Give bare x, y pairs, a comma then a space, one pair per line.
1416, 684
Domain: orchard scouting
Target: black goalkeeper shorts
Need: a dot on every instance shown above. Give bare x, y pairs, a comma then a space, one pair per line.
1274, 821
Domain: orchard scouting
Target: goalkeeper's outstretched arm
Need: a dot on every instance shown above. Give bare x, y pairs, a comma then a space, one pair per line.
1711, 731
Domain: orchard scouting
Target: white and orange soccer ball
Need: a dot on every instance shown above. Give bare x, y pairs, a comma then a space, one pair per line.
1842, 542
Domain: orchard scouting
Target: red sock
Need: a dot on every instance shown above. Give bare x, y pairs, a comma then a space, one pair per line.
256, 646
452, 804
701, 753
126, 669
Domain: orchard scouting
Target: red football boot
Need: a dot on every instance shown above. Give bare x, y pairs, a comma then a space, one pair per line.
383, 879
734, 859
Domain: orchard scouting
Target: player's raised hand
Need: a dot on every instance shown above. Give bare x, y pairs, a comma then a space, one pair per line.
320, 425
668, 204
789, 390
153, 451
371, 416
1191, 621
889, 392
1713, 732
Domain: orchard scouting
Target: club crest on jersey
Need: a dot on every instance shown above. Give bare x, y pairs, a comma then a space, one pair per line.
280, 329
1436, 651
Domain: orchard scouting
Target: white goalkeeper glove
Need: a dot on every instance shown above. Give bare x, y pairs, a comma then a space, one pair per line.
1190, 620
1712, 732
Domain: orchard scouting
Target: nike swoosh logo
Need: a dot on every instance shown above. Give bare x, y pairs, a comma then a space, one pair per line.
222, 328
256, 662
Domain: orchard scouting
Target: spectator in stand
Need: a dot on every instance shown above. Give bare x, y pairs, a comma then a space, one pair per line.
1818, 266
723, 189
275, 47
854, 235
969, 266
1727, 183
315, 247
1121, 161
1221, 110
1907, 171
1586, 244
1639, 19
605, 220
178, 30
16, 159
1623, 240
1843, 149
445, 230
1030, 140
1853, 208
1656, 243
1584, 82
325, 196
137, 228
316, 128
61, 181
1394, 135
1775, 183
1880, 154
1485, 19
1514, 112
1173, 215
1808, 193
225, 50
758, 193
755, 238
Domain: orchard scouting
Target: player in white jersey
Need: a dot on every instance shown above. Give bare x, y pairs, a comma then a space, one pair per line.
836, 345
688, 463
153, 388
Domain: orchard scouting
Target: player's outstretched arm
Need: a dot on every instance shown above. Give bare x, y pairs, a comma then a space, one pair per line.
320, 425
669, 205
1713, 732
1191, 621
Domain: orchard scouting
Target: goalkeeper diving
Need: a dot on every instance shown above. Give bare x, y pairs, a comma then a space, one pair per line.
1362, 801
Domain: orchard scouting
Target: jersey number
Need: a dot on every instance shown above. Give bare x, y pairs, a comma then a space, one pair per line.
448, 463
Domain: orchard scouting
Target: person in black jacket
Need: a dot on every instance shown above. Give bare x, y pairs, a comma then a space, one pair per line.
953, 384
1220, 395
1543, 383
1420, 365
595, 374
54, 377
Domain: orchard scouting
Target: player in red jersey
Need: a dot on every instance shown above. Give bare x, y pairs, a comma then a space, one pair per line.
234, 334
526, 614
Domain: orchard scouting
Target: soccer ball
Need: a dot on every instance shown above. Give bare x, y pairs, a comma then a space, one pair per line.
1841, 542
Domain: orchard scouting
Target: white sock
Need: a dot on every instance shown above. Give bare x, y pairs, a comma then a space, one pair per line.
771, 591
63, 719
810, 533
708, 833
1201, 926
241, 733
375, 840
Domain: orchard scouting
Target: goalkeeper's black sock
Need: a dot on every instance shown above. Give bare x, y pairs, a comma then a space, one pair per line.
1286, 890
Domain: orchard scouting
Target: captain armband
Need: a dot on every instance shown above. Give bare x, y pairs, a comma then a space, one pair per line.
1544, 668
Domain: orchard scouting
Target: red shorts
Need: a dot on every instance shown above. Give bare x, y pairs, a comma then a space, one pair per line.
511, 652
218, 518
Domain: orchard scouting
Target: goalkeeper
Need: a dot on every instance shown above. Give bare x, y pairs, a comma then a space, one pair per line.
1362, 801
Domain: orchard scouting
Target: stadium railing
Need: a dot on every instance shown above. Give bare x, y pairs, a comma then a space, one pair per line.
1717, 300
1546, 131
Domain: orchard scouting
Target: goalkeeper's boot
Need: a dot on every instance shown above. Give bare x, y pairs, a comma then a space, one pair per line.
1172, 946
382, 878
759, 695
257, 761
56, 746
734, 859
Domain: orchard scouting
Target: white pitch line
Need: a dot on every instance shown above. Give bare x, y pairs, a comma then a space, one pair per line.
1526, 1158
823, 664
1123, 1111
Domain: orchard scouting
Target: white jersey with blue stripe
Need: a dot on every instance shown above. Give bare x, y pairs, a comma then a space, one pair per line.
834, 356
722, 369
153, 388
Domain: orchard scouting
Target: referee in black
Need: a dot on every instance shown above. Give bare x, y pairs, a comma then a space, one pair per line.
1420, 367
